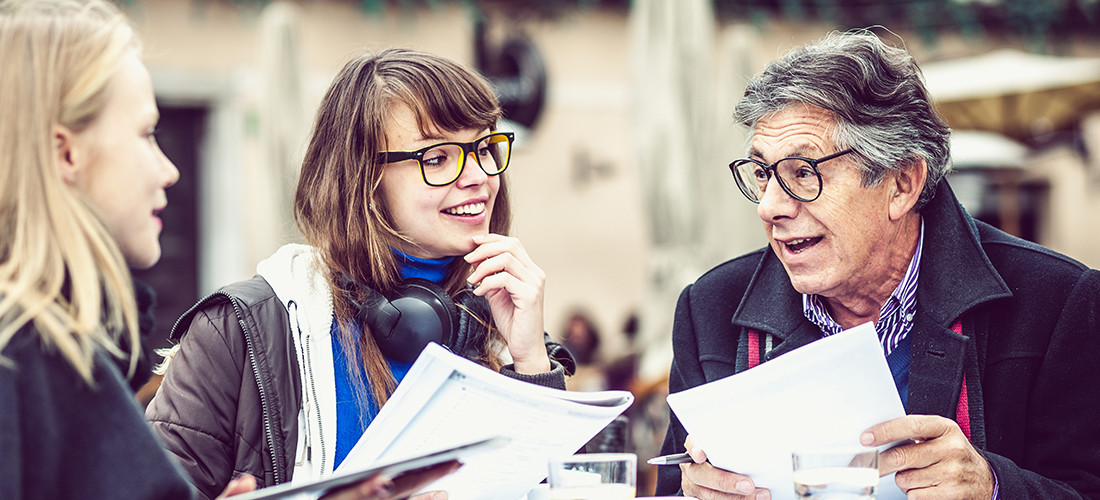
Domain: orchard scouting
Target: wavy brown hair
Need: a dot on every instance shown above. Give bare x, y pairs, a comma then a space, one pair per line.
338, 206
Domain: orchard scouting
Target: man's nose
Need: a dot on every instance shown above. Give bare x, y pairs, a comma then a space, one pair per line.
775, 203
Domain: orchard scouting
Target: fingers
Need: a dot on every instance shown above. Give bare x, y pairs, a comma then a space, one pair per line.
383, 488
242, 484
707, 482
513, 284
498, 257
702, 480
927, 432
915, 427
697, 453
503, 272
489, 245
376, 488
412, 481
940, 463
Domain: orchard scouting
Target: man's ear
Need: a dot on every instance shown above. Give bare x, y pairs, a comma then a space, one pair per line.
66, 157
906, 187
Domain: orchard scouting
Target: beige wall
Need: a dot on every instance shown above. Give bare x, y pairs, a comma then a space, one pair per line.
589, 237
1071, 223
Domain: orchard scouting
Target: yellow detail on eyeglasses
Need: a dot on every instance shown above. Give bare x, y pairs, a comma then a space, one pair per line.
441, 164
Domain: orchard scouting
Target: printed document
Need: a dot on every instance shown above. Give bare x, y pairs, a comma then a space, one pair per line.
446, 400
823, 394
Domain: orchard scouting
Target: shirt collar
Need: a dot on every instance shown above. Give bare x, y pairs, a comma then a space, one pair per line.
433, 270
895, 316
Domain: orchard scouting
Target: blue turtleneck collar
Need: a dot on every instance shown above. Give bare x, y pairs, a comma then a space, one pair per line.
433, 270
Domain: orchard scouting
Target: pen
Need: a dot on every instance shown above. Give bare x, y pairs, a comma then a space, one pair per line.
679, 458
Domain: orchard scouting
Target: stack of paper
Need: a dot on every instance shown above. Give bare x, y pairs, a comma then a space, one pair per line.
822, 394
446, 400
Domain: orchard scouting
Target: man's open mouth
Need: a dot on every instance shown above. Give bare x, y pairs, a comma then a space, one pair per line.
797, 246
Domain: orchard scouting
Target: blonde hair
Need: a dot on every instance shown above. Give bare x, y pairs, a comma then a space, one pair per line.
60, 269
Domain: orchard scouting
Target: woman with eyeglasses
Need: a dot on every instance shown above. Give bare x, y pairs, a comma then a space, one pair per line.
402, 199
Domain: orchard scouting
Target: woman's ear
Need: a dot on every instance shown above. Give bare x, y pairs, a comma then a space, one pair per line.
908, 183
66, 158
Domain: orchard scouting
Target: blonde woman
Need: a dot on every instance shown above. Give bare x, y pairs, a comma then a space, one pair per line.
81, 183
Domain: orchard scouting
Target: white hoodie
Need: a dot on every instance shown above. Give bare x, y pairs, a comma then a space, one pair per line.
296, 274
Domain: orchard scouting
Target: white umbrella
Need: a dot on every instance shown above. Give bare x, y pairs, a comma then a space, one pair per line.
282, 126
1014, 93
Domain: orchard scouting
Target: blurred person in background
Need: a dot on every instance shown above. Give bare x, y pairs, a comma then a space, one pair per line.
81, 183
581, 338
991, 339
402, 195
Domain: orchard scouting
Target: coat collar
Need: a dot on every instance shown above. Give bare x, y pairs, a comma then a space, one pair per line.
955, 276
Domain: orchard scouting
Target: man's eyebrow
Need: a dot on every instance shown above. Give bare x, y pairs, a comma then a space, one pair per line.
802, 150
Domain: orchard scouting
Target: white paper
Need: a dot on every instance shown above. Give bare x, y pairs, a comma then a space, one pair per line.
823, 394
446, 400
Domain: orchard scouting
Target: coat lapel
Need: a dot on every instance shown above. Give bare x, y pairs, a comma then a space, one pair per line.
955, 276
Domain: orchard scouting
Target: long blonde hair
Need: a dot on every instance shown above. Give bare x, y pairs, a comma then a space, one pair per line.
338, 205
60, 269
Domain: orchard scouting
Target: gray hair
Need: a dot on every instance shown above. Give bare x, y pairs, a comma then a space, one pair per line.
875, 94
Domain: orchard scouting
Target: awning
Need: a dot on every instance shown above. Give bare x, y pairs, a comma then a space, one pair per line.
1014, 93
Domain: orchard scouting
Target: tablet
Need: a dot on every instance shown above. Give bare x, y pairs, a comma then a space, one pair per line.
392, 470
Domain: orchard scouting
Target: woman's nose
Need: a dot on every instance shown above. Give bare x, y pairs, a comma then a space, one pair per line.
472, 174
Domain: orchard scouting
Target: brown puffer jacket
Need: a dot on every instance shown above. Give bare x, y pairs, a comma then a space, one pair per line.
248, 384
233, 393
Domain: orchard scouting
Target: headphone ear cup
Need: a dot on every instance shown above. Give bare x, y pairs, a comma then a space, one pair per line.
426, 314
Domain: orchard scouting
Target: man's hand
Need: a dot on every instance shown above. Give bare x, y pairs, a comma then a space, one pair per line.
940, 464
704, 481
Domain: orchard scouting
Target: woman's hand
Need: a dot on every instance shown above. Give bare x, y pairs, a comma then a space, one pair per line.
375, 488
505, 275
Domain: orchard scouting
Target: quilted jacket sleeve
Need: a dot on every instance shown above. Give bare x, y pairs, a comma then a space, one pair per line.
195, 409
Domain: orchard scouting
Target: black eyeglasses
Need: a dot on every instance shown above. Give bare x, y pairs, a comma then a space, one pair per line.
797, 176
441, 164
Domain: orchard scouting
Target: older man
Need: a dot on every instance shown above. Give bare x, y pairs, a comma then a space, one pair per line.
993, 341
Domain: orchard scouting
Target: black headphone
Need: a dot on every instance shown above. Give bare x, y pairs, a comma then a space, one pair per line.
404, 322
419, 311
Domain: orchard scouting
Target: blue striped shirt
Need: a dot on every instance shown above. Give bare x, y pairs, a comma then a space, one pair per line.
895, 318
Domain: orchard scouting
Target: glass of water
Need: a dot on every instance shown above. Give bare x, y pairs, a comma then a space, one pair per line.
593, 476
841, 473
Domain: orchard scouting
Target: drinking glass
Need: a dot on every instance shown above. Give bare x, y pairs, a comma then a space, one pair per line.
842, 473
593, 476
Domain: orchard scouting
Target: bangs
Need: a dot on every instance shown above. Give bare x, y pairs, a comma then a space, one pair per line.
443, 96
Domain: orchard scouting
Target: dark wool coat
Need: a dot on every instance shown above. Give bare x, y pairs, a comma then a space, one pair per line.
63, 439
1028, 349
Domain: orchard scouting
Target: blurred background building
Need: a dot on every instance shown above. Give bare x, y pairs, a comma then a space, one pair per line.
622, 109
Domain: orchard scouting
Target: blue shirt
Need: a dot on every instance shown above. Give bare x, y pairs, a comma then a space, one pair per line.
355, 413
895, 320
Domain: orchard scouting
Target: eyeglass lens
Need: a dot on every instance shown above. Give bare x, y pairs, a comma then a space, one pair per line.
444, 163
798, 176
